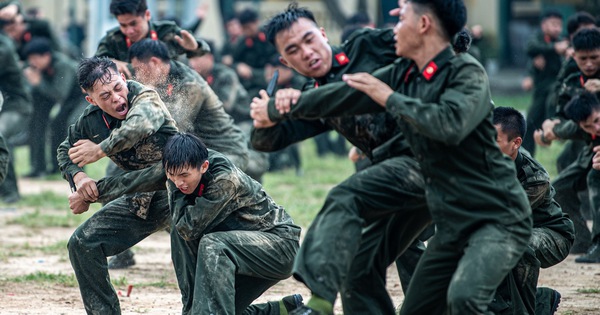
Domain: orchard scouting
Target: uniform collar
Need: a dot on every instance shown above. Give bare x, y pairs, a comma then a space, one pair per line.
433, 67
519, 160
151, 34
339, 58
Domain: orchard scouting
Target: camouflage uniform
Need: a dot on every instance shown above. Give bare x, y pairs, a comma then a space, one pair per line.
198, 110
16, 110
451, 134
128, 219
58, 86
543, 81
375, 214
552, 237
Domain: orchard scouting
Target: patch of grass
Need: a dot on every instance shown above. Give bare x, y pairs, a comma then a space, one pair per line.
589, 290
120, 281
520, 101
46, 278
46, 199
39, 220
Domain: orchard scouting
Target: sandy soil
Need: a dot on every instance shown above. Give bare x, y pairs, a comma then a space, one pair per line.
19, 250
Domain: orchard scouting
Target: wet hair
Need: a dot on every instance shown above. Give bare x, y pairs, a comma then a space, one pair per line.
284, 20
95, 69
578, 20
511, 122
580, 107
452, 14
184, 150
135, 7
147, 48
37, 46
247, 16
586, 39
462, 41
551, 14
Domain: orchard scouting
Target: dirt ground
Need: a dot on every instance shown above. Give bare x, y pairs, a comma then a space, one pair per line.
154, 265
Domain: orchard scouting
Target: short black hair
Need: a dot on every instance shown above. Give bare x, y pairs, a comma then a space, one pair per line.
135, 7
451, 13
93, 69
37, 46
551, 14
183, 150
580, 107
511, 122
147, 48
586, 40
578, 20
462, 41
284, 20
247, 15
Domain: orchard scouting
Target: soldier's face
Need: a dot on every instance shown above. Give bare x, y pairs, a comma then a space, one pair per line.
203, 65
508, 146
406, 31
588, 61
592, 124
110, 94
16, 29
135, 27
39, 61
187, 178
304, 48
552, 27
149, 72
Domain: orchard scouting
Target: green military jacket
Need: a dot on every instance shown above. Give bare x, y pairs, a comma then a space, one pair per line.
571, 86
254, 51
536, 182
445, 111
116, 45
12, 83
544, 45
197, 109
59, 82
226, 84
378, 135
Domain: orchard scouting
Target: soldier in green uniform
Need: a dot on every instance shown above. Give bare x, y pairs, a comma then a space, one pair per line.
442, 103
4, 154
53, 79
583, 110
553, 233
135, 24
15, 112
368, 220
547, 50
587, 56
127, 122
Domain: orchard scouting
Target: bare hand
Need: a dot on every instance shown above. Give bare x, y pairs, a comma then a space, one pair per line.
259, 111
33, 76
122, 67
77, 204
187, 41
539, 62
285, 98
537, 137
86, 187
592, 85
354, 155
527, 84
244, 71
370, 85
596, 158
561, 47
85, 152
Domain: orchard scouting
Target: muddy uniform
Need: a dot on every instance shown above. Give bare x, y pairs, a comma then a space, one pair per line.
386, 199
116, 45
551, 239
543, 81
58, 86
226, 84
572, 179
16, 110
198, 110
445, 111
127, 219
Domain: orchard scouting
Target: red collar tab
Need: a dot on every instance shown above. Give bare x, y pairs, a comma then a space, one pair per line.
153, 36
210, 79
407, 75
581, 80
262, 37
169, 89
105, 121
27, 37
342, 59
316, 84
547, 39
200, 190
430, 70
249, 42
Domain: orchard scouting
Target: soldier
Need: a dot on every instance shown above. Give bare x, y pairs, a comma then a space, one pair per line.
369, 219
583, 110
586, 44
547, 50
127, 122
134, 24
443, 104
52, 77
4, 154
15, 112
553, 233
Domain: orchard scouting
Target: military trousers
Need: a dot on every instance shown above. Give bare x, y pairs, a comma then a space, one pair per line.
334, 242
516, 295
461, 277
223, 272
12, 124
111, 230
